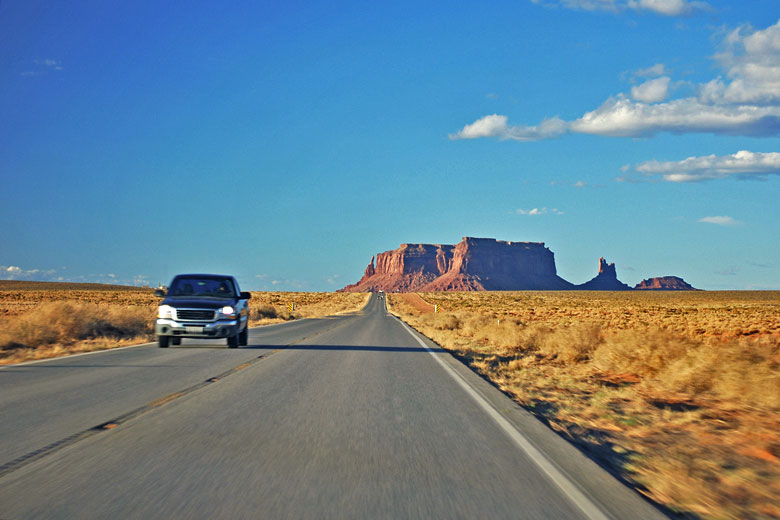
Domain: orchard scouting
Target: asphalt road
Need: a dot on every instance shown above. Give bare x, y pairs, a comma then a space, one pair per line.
353, 416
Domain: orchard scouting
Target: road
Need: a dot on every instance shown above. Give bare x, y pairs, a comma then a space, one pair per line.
353, 416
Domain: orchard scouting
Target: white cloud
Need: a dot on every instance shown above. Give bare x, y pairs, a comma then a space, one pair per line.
751, 60
656, 70
534, 211
488, 126
668, 7
577, 184
662, 7
743, 164
14, 272
652, 90
621, 117
547, 129
496, 126
538, 211
592, 5
585, 5
746, 103
720, 221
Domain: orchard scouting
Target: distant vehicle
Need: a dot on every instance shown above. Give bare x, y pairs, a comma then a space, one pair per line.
204, 306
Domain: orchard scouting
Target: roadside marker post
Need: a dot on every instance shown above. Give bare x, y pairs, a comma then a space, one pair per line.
436, 308
291, 306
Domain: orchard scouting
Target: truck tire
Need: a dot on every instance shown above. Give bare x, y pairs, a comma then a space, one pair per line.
162, 341
232, 341
243, 337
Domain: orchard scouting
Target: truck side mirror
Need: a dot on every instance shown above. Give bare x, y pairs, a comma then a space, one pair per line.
159, 293
245, 295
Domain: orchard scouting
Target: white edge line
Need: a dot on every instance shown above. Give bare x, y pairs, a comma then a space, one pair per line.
585, 504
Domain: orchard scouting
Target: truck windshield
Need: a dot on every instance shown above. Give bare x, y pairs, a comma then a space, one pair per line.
202, 288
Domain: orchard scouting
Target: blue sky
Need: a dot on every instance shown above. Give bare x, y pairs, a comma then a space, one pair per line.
288, 142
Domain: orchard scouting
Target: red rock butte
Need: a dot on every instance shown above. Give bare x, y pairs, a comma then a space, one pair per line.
665, 283
474, 264
606, 280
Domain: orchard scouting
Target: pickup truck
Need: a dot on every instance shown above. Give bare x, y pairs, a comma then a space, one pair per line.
204, 306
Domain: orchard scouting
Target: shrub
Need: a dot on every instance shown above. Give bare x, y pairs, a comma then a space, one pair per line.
262, 312
573, 344
506, 334
740, 371
67, 321
642, 352
442, 321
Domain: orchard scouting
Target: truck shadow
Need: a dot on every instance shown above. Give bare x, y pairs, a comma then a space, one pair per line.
360, 348
321, 348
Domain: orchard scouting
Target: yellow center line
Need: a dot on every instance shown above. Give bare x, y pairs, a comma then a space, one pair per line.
166, 399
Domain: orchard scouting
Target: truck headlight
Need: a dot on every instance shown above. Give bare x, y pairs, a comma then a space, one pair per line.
165, 312
227, 312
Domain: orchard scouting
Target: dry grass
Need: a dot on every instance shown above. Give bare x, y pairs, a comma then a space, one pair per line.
17, 297
61, 327
40, 320
273, 307
677, 393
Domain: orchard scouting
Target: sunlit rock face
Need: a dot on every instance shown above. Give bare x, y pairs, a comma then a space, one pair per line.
474, 264
665, 283
486, 264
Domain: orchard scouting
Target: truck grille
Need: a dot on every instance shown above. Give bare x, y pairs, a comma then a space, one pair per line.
195, 314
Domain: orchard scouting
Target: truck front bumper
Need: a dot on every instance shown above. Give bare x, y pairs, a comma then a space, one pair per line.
211, 329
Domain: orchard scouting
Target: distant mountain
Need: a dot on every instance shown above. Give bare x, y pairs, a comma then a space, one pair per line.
665, 283
485, 264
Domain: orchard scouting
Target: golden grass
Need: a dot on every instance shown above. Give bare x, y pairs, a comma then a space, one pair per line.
273, 307
40, 320
678, 393
60, 327
18, 298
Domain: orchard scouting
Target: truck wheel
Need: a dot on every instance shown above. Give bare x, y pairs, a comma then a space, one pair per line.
243, 337
162, 341
232, 341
